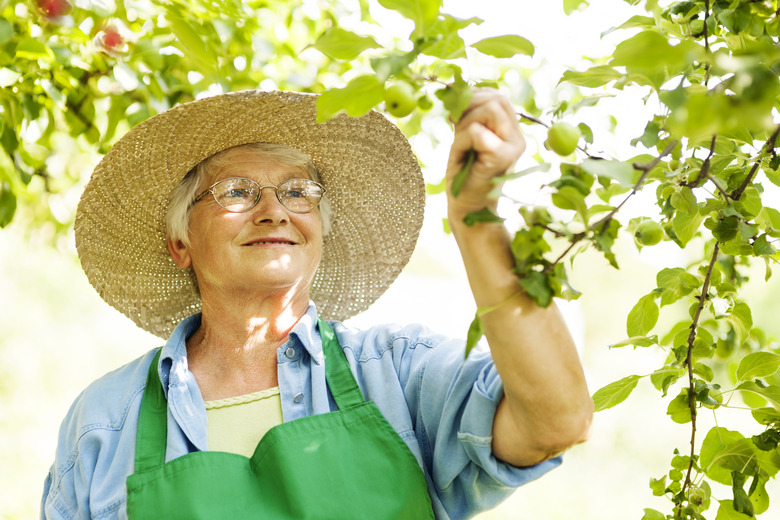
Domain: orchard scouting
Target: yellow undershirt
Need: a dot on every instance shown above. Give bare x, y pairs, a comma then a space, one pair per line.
237, 424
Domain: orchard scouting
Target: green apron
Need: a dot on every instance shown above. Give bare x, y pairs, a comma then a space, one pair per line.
339, 465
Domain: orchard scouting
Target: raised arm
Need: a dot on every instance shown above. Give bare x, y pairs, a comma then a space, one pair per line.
546, 406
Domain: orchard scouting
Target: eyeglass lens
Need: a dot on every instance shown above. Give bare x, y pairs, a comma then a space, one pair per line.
239, 194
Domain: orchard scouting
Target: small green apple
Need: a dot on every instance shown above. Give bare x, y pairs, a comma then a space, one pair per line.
648, 233
562, 138
400, 99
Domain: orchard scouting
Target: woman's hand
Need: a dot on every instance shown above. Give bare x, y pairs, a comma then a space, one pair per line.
489, 129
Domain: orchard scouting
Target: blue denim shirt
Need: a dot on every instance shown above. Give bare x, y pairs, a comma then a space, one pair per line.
441, 406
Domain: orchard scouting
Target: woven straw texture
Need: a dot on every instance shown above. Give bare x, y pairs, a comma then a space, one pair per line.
371, 175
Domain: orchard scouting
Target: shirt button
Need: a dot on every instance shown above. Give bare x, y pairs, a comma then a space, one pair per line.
298, 398
290, 352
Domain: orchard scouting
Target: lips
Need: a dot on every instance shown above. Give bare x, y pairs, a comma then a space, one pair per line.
270, 241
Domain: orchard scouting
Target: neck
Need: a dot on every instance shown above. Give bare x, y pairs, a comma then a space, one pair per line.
237, 341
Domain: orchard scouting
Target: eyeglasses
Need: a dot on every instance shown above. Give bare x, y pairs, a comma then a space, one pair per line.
238, 194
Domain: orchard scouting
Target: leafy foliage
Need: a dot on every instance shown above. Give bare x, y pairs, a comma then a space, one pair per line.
72, 81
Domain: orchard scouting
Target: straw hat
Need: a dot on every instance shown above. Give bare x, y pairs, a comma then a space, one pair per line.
371, 175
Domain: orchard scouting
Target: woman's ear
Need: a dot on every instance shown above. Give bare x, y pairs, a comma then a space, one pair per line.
179, 253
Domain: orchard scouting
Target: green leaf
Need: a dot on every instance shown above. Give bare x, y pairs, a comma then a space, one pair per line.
422, 12
537, 288
726, 512
476, 331
569, 197
643, 316
569, 6
614, 393
191, 41
621, 172
761, 246
505, 46
435, 189
685, 226
741, 502
652, 514
714, 443
8, 77
32, 49
772, 175
593, 77
678, 281
770, 217
749, 205
456, 97
771, 393
726, 229
758, 364
679, 409
442, 38
637, 341
741, 319
649, 51
6, 31
359, 96
460, 177
7, 206
341, 44
484, 215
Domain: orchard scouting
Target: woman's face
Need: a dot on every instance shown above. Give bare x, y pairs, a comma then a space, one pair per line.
267, 248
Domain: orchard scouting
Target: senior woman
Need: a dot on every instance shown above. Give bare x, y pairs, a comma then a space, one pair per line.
245, 232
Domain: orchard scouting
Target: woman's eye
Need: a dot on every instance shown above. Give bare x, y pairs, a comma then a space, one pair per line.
236, 193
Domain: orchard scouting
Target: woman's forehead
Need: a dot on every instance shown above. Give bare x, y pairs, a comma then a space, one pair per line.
253, 164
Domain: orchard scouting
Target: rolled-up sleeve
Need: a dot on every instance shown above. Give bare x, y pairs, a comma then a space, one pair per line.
457, 404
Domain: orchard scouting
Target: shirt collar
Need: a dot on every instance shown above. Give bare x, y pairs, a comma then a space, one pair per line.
173, 366
307, 333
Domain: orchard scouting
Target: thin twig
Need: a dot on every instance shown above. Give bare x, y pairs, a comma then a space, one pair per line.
533, 119
645, 169
768, 146
703, 297
575, 239
723, 192
706, 42
704, 171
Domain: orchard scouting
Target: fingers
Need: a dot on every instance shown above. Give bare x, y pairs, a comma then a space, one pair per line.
493, 110
490, 127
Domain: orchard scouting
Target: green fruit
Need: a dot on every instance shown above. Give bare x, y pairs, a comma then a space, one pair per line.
562, 138
648, 233
424, 102
400, 99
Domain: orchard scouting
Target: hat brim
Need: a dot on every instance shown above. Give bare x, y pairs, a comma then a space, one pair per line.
371, 175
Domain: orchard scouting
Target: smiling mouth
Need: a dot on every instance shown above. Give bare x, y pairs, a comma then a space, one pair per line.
271, 242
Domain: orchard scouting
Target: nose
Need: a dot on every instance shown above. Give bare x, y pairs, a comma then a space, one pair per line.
268, 208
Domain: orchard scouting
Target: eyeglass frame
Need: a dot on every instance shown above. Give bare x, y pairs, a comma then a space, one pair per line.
260, 188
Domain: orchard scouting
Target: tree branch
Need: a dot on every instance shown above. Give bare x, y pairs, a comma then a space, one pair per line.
703, 297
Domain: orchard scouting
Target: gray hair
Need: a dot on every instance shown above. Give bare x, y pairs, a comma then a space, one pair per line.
177, 216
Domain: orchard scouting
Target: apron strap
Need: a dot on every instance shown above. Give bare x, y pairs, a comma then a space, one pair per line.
342, 383
152, 423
